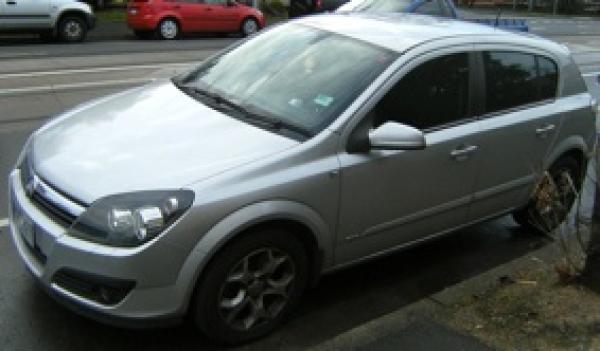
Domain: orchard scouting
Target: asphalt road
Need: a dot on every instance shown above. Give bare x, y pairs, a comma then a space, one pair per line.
32, 88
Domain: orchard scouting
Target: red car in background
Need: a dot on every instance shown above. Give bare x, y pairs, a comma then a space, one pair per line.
168, 19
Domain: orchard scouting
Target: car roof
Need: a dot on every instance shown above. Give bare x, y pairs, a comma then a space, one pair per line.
400, 31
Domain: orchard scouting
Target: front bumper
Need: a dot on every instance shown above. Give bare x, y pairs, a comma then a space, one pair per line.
159, 291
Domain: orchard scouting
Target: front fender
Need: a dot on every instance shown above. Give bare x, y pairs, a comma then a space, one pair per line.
244, 218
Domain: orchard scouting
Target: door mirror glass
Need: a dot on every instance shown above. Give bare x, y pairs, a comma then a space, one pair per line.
396, 136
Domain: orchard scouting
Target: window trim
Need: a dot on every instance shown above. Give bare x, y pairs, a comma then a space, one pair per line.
482, 91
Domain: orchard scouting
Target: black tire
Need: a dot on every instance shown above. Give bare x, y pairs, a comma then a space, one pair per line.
168, 29
143, 34
72, 29
249, 27
217, 282
531, 219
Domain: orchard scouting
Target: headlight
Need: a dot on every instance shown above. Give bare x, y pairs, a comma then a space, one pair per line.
131, 219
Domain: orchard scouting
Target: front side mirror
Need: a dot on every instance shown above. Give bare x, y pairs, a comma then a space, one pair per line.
230, 2
396, 136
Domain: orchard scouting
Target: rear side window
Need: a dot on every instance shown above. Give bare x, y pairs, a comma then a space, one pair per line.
435, 93
514, 79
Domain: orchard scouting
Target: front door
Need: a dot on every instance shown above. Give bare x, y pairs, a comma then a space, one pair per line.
25, 14
391, 198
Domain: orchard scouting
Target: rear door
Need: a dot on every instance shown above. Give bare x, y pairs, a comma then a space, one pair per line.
223, 17
520, 118
194, 14
25, 14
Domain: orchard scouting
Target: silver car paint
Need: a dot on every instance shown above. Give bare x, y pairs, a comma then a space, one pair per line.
139, 134
38, 14
315, 183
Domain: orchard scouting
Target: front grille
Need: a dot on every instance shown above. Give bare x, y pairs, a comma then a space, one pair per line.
57, 214
46, 198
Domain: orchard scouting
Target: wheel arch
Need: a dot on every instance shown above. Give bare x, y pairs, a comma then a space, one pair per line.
575, 146
300, 220
252, 17
171, 15
71, 13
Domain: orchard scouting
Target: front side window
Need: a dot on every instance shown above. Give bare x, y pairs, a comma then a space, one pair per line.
433, 94
298, 75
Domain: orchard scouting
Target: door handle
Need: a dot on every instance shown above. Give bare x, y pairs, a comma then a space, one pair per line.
542, 132
463, 152
11, 2
176, 7
208, 9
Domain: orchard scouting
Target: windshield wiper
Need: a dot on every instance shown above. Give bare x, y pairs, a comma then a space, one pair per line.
256, 117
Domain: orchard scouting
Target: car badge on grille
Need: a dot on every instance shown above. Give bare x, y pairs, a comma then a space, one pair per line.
34, 186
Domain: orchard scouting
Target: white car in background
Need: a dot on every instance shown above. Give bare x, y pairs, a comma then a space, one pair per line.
67, 20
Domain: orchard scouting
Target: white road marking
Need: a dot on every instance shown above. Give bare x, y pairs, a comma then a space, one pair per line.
93, 70
3, 222
75, 86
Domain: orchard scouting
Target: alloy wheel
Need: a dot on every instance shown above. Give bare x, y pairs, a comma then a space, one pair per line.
249, 27
257, 289
72, 30
168, 29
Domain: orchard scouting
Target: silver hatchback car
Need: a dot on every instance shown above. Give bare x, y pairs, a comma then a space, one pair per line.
226, 192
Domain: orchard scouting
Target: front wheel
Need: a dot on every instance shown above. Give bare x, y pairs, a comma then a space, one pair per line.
554, 196
168, 29
72, 29
250, 286
249, 27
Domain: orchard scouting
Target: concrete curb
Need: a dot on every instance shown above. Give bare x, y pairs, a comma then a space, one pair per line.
427, 308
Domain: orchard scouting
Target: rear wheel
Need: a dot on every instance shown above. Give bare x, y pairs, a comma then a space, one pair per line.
249, 27
251, 286
168, 29
553, 198
72, 29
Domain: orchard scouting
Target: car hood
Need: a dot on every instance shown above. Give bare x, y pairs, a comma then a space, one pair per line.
154, 137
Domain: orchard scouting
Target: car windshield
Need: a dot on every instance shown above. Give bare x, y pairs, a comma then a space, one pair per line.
375, 6
293, 75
